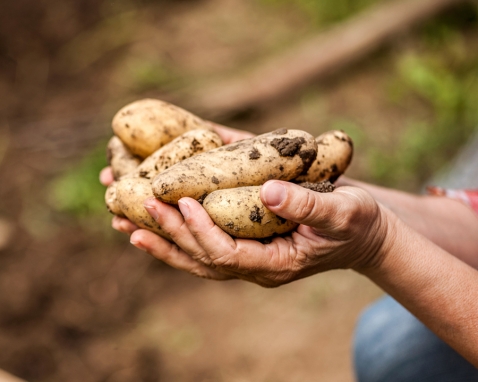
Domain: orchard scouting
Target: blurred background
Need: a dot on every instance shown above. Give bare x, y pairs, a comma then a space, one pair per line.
77, 302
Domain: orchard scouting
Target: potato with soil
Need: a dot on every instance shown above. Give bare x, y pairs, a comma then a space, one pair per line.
130, 195
282, 154
111, 200
146, 125
334, 154
185, 146
240, 213
121, 160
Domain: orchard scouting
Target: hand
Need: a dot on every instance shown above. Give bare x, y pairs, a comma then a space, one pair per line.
343, 229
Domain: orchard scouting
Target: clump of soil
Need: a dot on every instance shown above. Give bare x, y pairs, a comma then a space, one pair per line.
323, 187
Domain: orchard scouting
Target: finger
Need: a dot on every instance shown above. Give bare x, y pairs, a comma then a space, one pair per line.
172, 255
106, 176
239, 256
123, 225
332, 212
172, 222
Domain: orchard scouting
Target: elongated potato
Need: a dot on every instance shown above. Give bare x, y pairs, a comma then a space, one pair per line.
185, 146
240, 213
334, 154
146, 125
282, 154
130, 195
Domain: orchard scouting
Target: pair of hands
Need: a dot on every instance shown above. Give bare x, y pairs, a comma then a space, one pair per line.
343, 229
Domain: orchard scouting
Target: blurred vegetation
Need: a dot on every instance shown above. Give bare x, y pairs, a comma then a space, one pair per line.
439, 82
77, 191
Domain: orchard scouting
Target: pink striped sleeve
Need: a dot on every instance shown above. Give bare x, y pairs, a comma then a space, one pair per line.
467, 196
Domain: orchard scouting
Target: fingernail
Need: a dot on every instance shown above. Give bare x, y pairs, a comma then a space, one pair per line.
184, 208
275, 193
138, 245
150, 208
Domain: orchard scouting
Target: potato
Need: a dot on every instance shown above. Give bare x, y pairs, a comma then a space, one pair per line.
146, 125
186, 145
282, 154
111, 200
334, 154
240, 213
121, 160
130, 195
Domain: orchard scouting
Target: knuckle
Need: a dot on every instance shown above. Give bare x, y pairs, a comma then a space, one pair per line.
306, 207
225, 261
358, 215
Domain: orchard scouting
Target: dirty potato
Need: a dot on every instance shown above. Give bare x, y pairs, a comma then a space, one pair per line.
185, 146
240, 213
121, 160
334, 154
111, 200
146, 125
130, 195
282, 154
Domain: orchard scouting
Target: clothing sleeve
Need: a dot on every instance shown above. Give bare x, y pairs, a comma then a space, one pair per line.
468, 197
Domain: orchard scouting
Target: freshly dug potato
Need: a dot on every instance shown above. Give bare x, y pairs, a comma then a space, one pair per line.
146, 125
282, 154
111, 200
240, 213
121, 160
186, 145
334, 154
130, 195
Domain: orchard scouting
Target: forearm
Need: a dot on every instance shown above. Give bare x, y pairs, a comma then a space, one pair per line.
436, 287
448, 223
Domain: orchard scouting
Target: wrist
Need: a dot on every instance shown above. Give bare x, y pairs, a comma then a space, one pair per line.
389, 241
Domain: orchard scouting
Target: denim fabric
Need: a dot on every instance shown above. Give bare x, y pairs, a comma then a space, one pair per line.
391, 345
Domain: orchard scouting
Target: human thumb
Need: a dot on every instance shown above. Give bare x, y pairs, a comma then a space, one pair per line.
293, 202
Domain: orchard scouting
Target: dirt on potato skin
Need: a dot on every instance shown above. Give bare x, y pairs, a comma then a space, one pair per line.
288, 147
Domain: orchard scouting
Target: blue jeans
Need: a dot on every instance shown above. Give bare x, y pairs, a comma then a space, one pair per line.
391, 345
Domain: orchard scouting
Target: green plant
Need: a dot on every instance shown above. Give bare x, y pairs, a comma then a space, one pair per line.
77, 190
446, 96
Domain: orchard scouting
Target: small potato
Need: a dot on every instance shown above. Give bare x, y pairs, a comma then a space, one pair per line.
121, 160
334, 154
240, 213
185, 146
112, 201
130, 195
146, 125
282, 154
